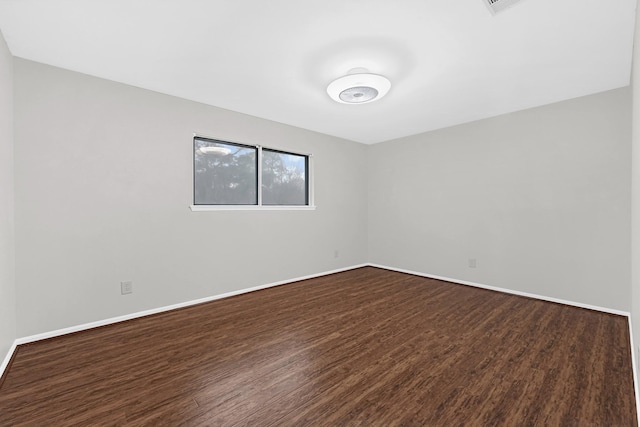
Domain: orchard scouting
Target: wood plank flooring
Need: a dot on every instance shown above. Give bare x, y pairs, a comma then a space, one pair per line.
367, 347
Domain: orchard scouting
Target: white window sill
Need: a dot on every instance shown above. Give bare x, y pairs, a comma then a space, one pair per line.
205, 208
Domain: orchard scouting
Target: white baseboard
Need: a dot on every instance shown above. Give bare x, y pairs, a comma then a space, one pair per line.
7, 358
507, 291
634, 366
91, 325
104, 322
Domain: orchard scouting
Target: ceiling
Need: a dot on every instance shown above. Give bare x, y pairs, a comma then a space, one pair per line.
449, 62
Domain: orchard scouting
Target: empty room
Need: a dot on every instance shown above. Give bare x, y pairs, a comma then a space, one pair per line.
343, 213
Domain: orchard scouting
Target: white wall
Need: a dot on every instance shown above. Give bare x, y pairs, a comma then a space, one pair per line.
635, 211
7, 251
541, 198
103, 177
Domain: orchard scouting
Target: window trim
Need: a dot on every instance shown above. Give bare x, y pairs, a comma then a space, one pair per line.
258, 207
204, 208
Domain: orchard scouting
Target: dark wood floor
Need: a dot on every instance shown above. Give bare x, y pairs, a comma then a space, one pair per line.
367, 347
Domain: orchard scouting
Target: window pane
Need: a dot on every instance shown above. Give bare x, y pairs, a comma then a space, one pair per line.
225, 174
284, 178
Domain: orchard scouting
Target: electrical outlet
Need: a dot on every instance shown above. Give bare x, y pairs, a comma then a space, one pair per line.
336, 254
472, 263
126, 287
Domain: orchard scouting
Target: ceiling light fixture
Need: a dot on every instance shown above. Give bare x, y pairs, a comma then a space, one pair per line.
359, 87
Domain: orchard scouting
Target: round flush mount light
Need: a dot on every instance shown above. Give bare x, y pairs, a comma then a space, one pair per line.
359, 88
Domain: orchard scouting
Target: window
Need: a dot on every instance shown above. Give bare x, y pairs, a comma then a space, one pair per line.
228, 175
225, 174
284, 178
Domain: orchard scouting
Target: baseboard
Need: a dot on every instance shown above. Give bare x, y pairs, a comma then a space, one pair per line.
506, 291
105, 322
7, 361
634, 366
109, 321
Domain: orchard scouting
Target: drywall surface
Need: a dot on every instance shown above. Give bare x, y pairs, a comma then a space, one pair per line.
540, 199
7, 248
103, 186
635, 210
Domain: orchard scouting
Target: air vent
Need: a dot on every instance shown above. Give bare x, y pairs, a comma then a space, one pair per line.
496, 6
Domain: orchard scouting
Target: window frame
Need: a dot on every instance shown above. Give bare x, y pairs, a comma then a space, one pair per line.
310, 204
